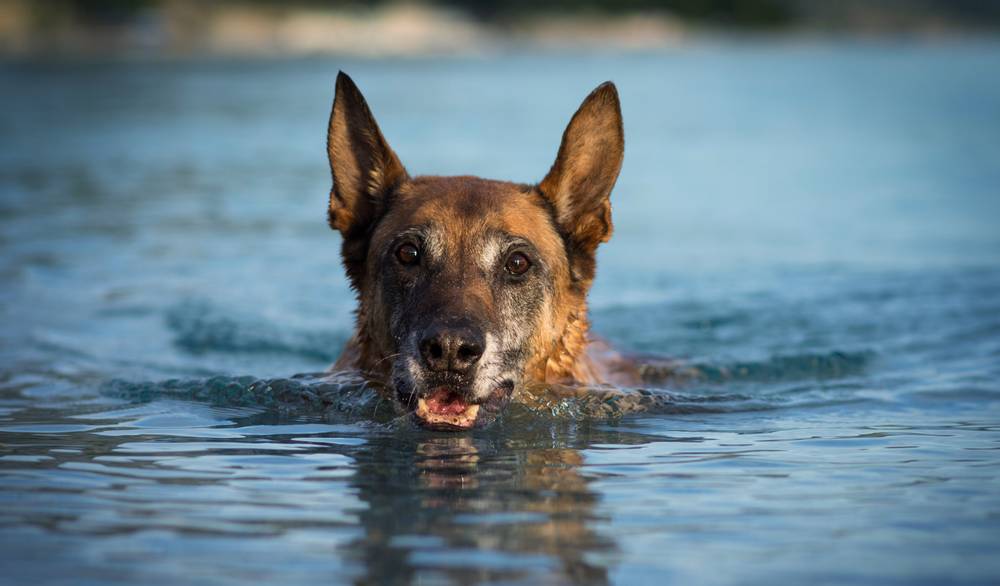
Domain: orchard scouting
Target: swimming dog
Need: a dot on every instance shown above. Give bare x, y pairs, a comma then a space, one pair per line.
469, 288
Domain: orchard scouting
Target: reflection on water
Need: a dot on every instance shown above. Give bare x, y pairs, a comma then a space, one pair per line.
409, 505
155, 491
806, 258
481, 513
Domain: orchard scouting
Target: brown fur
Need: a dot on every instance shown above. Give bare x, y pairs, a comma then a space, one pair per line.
564, 219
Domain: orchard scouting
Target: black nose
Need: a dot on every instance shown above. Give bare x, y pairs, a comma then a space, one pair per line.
454, 348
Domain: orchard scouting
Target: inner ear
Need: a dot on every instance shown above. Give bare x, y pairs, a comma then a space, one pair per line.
365, 169
590, 156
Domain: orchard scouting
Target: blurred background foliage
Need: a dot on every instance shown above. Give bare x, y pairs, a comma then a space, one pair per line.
740, 13
753, 13
397, 27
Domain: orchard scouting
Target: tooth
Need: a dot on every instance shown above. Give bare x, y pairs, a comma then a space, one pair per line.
463, 419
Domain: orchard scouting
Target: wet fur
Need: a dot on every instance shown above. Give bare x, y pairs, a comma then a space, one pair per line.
536, 327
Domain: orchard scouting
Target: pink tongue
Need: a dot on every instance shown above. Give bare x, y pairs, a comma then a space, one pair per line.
444, 402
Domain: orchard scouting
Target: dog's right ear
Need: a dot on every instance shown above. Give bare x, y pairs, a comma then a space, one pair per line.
364, 168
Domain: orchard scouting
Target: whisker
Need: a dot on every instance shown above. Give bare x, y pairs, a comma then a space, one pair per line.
383, 359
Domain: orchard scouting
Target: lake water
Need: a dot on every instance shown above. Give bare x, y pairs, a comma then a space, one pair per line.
812, 228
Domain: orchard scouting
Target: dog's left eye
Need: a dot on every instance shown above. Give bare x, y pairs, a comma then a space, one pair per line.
517, 264
407, 254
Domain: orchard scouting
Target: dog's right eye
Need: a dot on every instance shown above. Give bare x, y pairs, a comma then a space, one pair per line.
407, 254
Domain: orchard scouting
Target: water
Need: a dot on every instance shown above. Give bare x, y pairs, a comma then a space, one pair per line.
809, 229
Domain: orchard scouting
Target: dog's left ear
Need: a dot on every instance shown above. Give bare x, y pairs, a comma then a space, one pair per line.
364, 168
580, 181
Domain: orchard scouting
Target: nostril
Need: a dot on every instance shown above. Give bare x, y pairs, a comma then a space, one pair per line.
451, 348
469, 352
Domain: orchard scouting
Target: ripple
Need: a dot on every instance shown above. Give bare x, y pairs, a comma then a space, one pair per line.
349, 398
202, 327
45, 428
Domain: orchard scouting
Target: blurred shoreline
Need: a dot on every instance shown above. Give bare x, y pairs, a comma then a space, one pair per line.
256, 28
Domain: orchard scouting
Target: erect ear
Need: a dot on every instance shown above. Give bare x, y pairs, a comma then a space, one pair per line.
579, 184
364, 168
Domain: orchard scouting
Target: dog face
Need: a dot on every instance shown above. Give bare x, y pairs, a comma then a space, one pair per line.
468, 287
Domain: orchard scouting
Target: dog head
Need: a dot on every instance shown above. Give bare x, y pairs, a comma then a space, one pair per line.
468, 287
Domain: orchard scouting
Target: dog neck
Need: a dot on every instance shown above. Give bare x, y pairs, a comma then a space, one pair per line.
566, 360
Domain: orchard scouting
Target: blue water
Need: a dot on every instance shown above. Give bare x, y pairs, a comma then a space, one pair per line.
810, 229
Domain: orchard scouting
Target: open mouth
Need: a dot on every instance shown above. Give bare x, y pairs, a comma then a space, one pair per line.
446, 409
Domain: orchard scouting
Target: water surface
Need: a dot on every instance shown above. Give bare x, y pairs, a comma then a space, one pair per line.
810, 229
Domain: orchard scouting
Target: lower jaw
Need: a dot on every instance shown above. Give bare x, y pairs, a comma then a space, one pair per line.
446, 421
474, 416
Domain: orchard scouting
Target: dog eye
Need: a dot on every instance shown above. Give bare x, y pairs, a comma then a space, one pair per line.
517, 264
407, 254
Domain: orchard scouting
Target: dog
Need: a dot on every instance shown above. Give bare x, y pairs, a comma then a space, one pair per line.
470, 288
